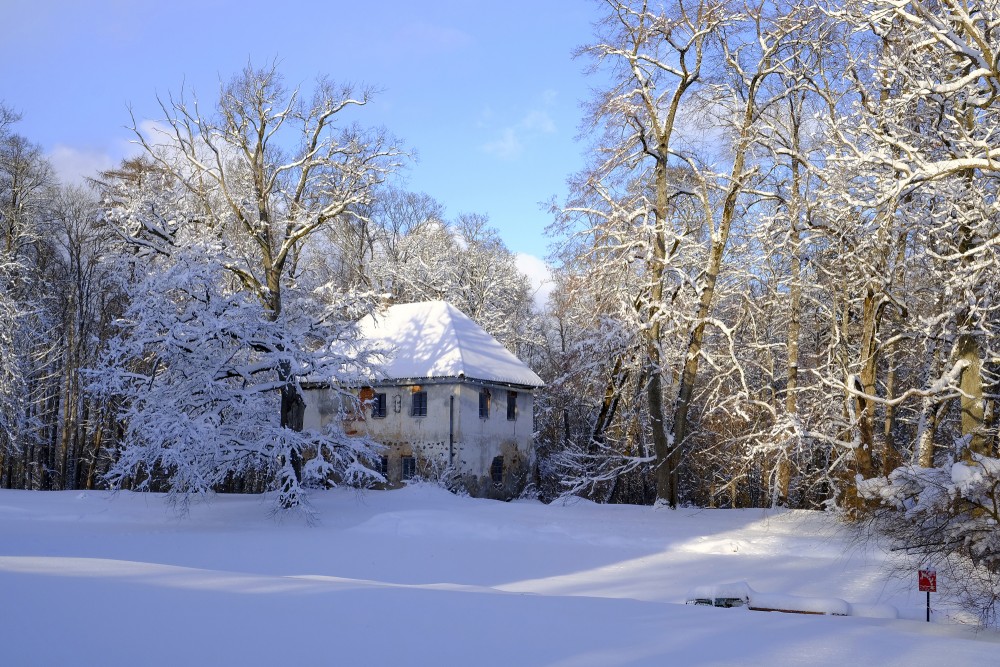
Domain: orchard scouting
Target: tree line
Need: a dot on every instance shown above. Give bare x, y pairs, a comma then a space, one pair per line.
776, 275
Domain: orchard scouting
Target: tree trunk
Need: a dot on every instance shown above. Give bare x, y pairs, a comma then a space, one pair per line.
664, 448
95, 451
927, 431
890, 453
666, 453
865, 408
971, 385
292, 417
689, 375
783, 472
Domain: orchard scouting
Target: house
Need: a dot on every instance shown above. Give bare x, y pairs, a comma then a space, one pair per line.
449, 397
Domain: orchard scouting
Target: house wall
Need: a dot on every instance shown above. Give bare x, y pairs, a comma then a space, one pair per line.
483, 439
476, 441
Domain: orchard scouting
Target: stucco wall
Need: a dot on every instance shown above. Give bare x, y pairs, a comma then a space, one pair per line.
476, 441
484, 439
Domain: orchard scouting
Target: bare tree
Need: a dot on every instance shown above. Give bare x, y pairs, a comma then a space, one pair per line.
25, 184
655, 192
655, 58
264, 172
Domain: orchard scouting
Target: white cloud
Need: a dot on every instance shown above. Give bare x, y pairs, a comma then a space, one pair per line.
533, 123
158, 134
539, 274
156, 131
540, 121
507, 147
73, 165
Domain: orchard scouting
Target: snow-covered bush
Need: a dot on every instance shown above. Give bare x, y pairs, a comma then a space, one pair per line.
953, 506
947, 516
200, 368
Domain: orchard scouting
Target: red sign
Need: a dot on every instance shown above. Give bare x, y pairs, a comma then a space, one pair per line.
928, 580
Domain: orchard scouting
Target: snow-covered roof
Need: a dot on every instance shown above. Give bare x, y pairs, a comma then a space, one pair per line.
433, 339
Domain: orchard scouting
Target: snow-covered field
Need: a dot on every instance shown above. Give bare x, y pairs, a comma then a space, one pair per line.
421, 577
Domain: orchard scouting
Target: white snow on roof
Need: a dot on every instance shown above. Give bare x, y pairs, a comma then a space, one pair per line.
433, 339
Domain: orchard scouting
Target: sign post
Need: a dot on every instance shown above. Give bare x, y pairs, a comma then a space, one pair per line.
927, 579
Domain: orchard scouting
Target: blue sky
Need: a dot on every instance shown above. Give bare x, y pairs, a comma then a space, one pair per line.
485, 92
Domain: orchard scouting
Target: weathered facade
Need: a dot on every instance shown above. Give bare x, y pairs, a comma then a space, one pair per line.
450, 399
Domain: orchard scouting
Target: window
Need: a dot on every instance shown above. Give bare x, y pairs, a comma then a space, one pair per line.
382, 466
409, 465
378, 406
511, 406
365, 396
496, 470
484, 403
418, 407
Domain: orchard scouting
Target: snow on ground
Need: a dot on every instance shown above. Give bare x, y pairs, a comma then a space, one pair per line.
421, 577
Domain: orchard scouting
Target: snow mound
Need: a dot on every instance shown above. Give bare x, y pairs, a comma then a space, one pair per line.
799, 604
739, 594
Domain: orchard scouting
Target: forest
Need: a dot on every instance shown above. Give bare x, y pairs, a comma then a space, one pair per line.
774, 279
